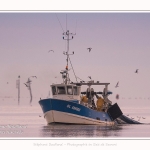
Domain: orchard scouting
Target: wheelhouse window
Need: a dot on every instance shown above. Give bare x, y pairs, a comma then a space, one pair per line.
69, 90
61, 90
75, 91
54, 90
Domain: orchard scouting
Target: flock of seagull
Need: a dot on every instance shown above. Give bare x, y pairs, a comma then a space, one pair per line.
139, 117
27, 83
117, 85
117, 97
89, 49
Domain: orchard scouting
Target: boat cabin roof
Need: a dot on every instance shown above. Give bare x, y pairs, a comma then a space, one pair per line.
62, 84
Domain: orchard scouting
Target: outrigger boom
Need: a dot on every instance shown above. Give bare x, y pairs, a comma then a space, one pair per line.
90, 83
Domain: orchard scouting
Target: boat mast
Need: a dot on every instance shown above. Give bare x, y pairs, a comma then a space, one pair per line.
66, 36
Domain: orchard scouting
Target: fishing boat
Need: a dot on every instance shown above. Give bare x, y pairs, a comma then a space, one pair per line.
70, 105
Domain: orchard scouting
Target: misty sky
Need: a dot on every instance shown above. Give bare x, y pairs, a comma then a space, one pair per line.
120, 44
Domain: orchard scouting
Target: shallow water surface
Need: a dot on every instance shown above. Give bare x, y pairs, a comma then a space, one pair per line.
27, 121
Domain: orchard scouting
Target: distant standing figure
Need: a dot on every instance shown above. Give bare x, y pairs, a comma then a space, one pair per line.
117, 96
136, 71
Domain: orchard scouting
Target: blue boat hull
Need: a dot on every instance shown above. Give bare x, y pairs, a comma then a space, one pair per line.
62, 111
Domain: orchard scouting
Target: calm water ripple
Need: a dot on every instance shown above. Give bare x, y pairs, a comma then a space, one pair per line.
16, 121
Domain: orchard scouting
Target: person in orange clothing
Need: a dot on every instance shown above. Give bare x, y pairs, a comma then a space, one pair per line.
99, 102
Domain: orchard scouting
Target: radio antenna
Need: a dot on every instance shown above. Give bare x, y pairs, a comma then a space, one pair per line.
66, 36
59, 22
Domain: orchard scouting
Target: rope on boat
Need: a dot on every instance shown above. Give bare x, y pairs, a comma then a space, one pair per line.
72, 68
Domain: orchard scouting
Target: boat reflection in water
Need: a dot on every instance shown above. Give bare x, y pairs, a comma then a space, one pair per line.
86, 131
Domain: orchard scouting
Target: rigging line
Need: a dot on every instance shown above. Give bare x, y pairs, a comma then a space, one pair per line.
80, 78
59, 23
73, 69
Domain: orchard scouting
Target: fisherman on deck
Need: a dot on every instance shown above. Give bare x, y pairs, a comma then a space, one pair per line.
90, 96
99, 102
107, 102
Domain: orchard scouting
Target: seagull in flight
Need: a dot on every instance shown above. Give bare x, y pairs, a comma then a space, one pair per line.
117, 85
139, 118
34, 76
90, 77
26, 85
51, 50
89, 49
136, 71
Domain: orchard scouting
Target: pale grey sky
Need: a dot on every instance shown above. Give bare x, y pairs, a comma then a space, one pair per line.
120, 45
